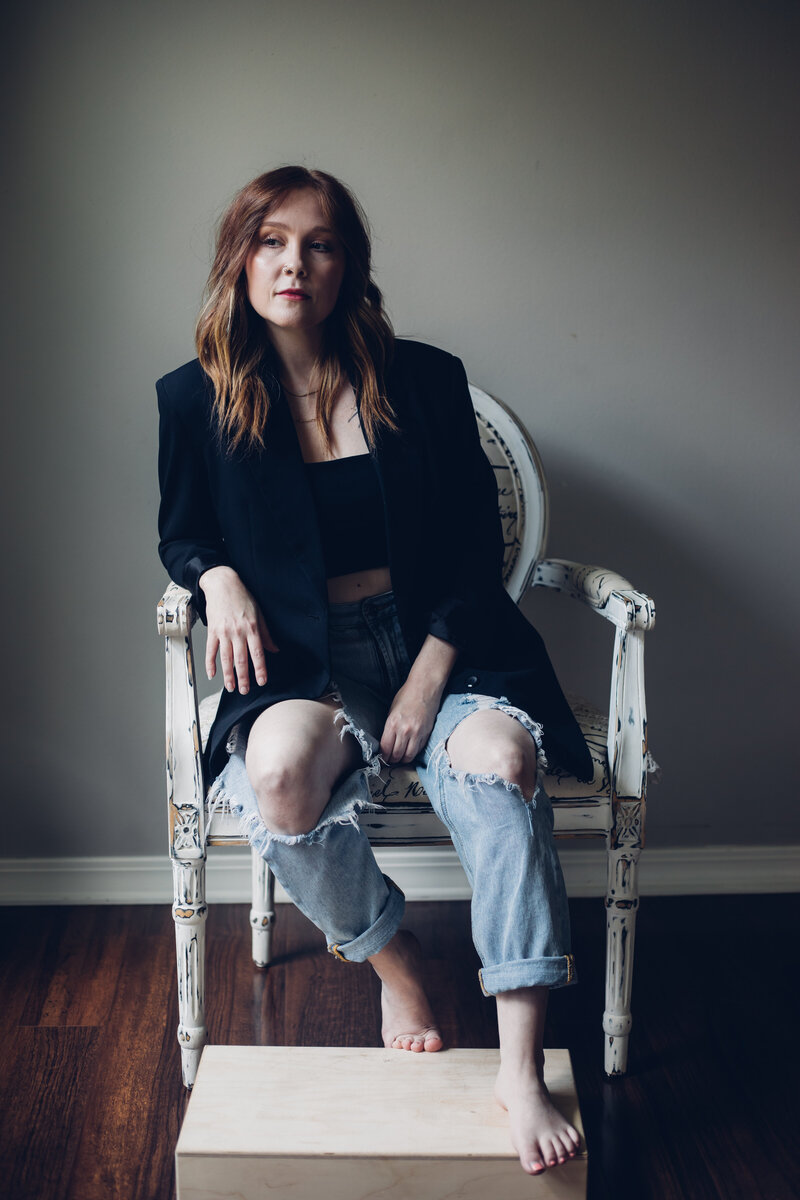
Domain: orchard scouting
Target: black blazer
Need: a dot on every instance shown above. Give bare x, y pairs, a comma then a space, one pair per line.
254, 512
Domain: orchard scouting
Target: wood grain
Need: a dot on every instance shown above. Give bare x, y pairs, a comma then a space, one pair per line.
90, 1095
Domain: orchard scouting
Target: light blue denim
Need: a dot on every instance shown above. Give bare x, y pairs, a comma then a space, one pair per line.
520, 916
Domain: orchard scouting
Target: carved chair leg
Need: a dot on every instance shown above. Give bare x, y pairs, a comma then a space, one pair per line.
622, 902
189, 914
262, 912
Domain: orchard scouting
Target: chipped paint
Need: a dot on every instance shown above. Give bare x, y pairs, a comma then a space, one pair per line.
617, 811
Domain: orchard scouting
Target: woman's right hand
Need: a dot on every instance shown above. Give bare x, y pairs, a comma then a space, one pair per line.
235, 626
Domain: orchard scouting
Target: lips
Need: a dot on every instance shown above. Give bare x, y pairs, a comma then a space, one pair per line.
295, 294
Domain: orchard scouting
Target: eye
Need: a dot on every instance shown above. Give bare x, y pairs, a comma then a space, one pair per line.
269, 239
323, 247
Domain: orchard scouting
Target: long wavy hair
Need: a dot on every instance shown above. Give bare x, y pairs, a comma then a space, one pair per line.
231, 341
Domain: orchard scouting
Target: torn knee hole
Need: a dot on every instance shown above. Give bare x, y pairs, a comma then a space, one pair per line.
372, 762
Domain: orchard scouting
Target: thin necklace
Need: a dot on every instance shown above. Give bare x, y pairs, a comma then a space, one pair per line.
300, 395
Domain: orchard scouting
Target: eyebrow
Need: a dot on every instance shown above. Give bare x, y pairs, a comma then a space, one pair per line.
267, 224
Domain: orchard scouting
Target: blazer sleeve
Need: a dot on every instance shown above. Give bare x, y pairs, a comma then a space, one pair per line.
475, 545
190, 538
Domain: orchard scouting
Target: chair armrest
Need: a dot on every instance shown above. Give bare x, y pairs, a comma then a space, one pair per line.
633, 613
185, 782
175, 614
609, 594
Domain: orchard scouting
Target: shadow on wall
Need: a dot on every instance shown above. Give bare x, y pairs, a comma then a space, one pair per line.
712, 663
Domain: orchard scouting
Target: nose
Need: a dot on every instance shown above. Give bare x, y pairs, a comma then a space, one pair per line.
294, 264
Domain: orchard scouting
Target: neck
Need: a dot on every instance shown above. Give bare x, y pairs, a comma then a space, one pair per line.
297, 351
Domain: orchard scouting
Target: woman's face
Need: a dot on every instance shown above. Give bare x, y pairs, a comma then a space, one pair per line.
295, 269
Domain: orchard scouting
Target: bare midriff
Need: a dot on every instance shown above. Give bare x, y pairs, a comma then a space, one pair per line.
345, 589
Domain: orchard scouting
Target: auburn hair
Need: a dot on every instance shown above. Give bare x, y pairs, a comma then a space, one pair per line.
231, 341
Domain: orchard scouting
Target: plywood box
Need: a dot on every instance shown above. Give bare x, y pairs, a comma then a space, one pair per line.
268, 1122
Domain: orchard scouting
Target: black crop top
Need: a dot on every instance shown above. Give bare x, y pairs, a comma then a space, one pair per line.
347, 496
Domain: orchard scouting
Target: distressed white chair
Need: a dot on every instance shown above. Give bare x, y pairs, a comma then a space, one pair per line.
612, 806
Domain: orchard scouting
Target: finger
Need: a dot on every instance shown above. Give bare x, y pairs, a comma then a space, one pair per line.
258, 657
226, 662
412, 749
242, 665
401, 748
212, 646
387, 744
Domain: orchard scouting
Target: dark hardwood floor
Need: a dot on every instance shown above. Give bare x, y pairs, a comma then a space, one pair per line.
90, 1094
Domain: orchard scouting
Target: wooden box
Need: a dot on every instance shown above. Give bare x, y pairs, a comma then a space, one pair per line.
268, 1122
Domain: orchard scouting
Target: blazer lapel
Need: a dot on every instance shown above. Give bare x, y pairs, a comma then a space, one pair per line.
399, 466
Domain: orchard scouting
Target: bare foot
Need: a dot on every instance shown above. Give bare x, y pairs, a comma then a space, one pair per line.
408, 1022
540, 1135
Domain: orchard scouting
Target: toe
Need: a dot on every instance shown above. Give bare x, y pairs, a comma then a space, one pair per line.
536, 1160
569, 1149
551, 1152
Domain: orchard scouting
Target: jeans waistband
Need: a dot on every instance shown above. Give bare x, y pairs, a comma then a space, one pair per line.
355, 612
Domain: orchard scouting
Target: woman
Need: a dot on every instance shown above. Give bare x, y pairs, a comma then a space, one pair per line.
326, 499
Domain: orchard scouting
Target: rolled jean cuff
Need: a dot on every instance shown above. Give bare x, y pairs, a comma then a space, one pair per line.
528, 972
380, 932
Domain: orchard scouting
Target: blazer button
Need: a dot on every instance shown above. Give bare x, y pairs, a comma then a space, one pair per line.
473, 679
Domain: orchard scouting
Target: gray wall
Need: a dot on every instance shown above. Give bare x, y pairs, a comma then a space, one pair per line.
594, 204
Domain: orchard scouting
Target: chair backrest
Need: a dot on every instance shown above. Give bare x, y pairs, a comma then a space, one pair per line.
521, 489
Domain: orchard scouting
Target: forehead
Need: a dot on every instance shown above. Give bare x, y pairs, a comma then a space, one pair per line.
301, 209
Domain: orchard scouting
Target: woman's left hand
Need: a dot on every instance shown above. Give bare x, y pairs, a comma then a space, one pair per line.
409, 724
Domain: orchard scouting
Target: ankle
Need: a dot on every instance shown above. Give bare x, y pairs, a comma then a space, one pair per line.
523, 1069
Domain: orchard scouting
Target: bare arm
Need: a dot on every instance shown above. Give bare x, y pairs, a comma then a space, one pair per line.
414, 708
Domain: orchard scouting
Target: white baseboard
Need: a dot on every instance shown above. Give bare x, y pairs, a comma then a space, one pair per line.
423, 872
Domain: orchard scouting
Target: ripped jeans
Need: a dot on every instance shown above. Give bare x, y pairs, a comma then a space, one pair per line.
520, 917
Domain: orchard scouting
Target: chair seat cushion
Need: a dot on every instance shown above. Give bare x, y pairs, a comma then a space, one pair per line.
399, 789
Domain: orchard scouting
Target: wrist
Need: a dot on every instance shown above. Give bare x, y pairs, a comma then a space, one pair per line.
214, 576
432, 667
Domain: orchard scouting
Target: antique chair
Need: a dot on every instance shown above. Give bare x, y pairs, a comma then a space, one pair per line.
612, 806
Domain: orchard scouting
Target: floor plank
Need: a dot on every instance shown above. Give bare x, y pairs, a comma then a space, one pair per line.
45, 1090
90, 1084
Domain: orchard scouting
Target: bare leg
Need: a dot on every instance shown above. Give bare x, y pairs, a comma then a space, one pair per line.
408, 1022
491, 740
540, 1134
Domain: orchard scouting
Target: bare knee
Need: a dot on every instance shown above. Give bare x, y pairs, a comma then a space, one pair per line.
490, 746
511, 762
294, 757
289, 794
